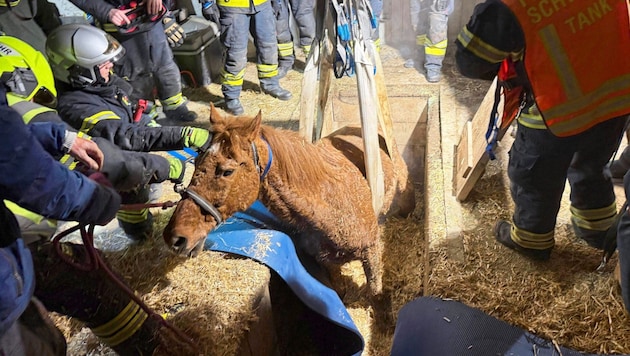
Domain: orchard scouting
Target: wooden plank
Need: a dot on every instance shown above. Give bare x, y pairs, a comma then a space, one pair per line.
260, 338
468, 170
324, 122
308, 94
464, 153
397, 23
384, 112
369, 126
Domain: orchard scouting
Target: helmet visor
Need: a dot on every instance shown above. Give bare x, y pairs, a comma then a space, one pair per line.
23, 83
45, 97
115, 49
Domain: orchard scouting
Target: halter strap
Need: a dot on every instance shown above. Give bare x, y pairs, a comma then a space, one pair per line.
256, 160
204, 204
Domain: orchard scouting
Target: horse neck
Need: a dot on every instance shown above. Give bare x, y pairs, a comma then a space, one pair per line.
298, 165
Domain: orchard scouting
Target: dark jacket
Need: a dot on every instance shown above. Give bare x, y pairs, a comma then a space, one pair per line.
106, 111
495, 29
33, 179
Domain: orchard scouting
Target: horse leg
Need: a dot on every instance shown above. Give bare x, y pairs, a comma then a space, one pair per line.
372, 260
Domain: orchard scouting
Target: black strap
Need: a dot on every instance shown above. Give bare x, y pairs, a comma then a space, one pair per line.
204, 204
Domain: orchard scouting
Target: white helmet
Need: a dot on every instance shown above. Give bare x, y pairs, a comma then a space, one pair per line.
76, 50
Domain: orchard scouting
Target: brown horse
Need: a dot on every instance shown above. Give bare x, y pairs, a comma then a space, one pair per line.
318, 191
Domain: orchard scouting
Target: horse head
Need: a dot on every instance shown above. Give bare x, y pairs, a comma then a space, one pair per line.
227, 177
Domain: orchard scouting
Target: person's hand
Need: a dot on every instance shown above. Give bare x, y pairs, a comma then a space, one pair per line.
174, 32
153, 6
119, 17
105, 202
196, 137
87, 152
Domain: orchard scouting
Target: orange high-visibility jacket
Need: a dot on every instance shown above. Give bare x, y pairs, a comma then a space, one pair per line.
577, 58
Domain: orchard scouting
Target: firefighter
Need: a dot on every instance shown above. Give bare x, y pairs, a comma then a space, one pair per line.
149, 62
623, 247
377, 10
302, 11
48, 282
430, 23
95, 101
29, 20
130, 171
23, 67
31, 177
238, 19
571, 117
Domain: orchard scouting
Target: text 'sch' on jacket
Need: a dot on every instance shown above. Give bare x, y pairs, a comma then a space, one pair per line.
576, 58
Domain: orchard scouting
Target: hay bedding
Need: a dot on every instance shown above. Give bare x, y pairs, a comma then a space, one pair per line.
563, 299
210, 298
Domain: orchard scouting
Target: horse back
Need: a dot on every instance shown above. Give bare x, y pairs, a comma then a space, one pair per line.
399, 197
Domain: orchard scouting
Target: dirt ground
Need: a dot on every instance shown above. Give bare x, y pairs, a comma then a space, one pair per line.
445, 249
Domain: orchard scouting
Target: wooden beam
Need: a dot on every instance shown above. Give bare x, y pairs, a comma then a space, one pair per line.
308, 94
384, 112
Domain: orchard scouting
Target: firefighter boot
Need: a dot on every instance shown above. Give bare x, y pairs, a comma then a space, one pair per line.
180, 113
282, 71
503, 232
234, 107
136, 223
277, 92
137, 231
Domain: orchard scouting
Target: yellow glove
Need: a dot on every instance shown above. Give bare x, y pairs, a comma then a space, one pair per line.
174, 32
196, 137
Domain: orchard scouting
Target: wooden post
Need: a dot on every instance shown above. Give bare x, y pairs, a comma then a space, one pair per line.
324, 121
384, 113
309, 92
371, 93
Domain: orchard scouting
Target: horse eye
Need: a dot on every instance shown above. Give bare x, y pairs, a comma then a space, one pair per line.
228, 172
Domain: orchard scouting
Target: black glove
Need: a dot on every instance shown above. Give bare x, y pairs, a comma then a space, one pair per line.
105, 203
210, 11
174, 32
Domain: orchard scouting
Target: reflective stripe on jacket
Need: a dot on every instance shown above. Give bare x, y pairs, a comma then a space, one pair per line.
577, 61
240, 3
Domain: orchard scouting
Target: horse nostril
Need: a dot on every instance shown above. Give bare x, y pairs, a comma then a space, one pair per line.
180, 243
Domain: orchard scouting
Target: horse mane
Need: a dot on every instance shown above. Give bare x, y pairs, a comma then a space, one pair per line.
300, 163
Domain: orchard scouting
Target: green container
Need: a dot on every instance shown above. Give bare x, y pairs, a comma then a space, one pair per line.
200, 58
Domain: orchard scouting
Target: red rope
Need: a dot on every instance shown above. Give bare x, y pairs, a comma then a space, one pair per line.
94, 261
140, 206
191, 76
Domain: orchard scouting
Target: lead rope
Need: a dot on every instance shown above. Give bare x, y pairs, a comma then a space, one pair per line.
94, 261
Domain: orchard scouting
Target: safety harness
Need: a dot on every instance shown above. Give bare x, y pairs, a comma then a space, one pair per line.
347, 30
515, 97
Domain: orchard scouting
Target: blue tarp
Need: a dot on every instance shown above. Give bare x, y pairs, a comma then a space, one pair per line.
250, 234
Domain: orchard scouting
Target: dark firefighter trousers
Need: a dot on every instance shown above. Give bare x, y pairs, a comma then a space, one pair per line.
540, 163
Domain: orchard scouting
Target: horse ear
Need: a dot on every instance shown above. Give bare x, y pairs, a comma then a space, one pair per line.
215, 116
254, 129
